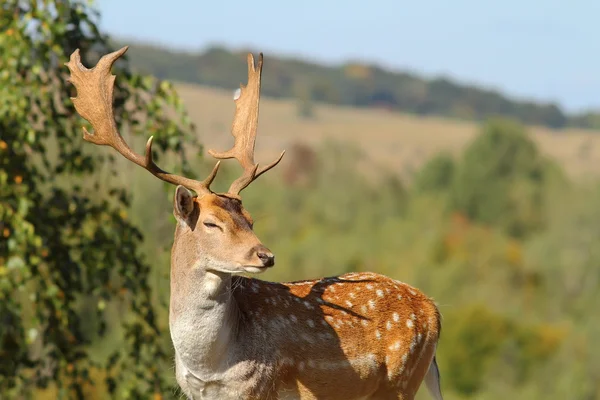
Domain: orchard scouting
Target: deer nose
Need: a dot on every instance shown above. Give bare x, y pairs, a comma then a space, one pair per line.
267, 258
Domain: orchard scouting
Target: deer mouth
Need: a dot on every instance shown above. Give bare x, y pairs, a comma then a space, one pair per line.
256, 268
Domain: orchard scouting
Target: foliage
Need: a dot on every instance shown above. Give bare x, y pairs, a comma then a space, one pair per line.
503, 174
354, 85
436, 175
69, 254
480, 337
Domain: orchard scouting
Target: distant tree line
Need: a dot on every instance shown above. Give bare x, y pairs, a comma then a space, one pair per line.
352, 84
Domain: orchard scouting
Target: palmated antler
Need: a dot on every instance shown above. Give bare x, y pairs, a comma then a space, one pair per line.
94, 102
244, 127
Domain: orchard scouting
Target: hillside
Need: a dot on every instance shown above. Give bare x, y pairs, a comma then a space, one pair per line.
350, 84
400, 141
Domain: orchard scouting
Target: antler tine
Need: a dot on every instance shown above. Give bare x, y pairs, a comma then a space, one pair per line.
94, 103
244, 128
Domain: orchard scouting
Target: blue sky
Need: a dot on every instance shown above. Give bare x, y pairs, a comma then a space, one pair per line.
534, 49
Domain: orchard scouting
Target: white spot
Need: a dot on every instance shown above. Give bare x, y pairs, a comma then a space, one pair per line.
388, 325
308, 305
293, 318
352, 295
379, 292
395, 346
396, 317
364, 322
399, 297
369, 286
307, 338
372, 304
363, 308
326, 335
412, 292
409, 323
432, 321
400, 369
348, 303
237, 93
413, 343
377, 334
369, 361
310, 323
332, 289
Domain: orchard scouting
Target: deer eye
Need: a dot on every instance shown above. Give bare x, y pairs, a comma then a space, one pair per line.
210, 224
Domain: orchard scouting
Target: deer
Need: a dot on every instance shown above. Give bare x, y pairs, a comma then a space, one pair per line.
358, 335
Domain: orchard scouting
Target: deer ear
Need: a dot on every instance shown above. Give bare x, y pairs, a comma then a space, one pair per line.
183, 206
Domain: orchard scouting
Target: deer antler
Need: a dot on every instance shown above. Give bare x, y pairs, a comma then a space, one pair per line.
94, 103
244, 127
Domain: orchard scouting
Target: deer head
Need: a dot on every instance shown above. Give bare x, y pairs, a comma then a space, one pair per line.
215, 229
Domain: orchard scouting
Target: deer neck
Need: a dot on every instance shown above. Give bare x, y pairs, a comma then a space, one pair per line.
202, 317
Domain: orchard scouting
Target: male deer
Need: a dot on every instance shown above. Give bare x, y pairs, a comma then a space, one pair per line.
355, 336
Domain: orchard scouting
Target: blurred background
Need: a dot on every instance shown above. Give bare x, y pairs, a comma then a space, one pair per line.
451, 145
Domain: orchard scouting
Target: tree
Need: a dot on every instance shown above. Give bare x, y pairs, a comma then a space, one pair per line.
503, 178
67, 250
436, 175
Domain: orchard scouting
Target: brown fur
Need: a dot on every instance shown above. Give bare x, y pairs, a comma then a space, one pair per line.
350, 333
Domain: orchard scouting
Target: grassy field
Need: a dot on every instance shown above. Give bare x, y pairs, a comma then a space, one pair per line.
399, 141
